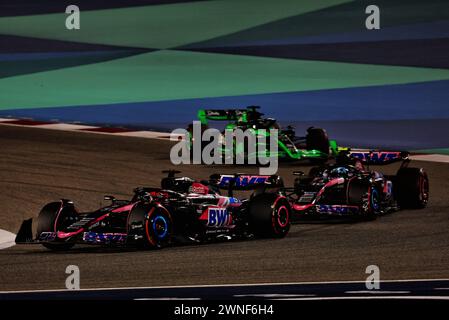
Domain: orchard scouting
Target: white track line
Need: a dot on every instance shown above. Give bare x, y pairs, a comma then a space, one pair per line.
273, 295
376, 292
167, 299
145, 134
373, 297
227, 285
6, 239
64, 126
431, 157
82, 128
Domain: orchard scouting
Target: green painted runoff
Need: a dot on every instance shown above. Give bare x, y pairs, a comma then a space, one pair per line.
170, 74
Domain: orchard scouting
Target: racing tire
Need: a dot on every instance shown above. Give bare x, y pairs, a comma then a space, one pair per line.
366, 197
371, 205
412, 188
51, 219
153, 226
269, 215
317, 139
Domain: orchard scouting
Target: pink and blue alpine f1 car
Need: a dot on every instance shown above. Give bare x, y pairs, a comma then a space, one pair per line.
181, 209
348, 188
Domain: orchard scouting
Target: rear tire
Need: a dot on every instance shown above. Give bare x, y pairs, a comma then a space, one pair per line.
51, 220
317, 139
270, 215
412, 188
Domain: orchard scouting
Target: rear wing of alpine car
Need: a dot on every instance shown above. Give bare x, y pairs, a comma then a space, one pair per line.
241, 181
378, 157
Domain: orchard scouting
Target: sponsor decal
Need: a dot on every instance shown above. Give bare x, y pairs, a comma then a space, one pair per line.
242, 181
388, 188
198, 188
47, 236
94, 237
337, 209
377, 157
218, 217
228, 202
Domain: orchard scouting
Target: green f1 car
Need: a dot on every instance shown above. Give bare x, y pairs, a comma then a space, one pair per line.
314, 146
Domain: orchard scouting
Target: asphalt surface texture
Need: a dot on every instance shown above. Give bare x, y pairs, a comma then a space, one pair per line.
39, 166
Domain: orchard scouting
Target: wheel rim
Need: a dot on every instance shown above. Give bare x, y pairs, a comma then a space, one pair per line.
374, 201
424, 189
160, 227
283, 216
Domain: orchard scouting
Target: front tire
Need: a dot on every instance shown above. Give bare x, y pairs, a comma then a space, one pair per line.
150, 226
53, 218
366, 197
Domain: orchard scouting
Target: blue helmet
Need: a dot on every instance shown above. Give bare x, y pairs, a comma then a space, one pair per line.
339, 172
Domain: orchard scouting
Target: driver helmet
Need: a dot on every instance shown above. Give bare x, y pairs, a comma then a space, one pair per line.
339, 172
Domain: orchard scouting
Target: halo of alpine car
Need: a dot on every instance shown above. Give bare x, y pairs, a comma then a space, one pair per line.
184, 210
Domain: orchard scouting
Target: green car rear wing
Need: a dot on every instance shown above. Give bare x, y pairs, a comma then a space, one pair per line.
240, 115
204, 115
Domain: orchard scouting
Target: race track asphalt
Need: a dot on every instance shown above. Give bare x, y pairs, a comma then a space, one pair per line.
38, 166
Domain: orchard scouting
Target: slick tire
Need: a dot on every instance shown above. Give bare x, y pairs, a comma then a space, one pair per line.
366, 197
412, 188
51, 219
317, 139
269, 215
151, 225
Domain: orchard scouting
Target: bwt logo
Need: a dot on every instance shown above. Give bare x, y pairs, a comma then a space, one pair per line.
242, 181
376, 157
218, 217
